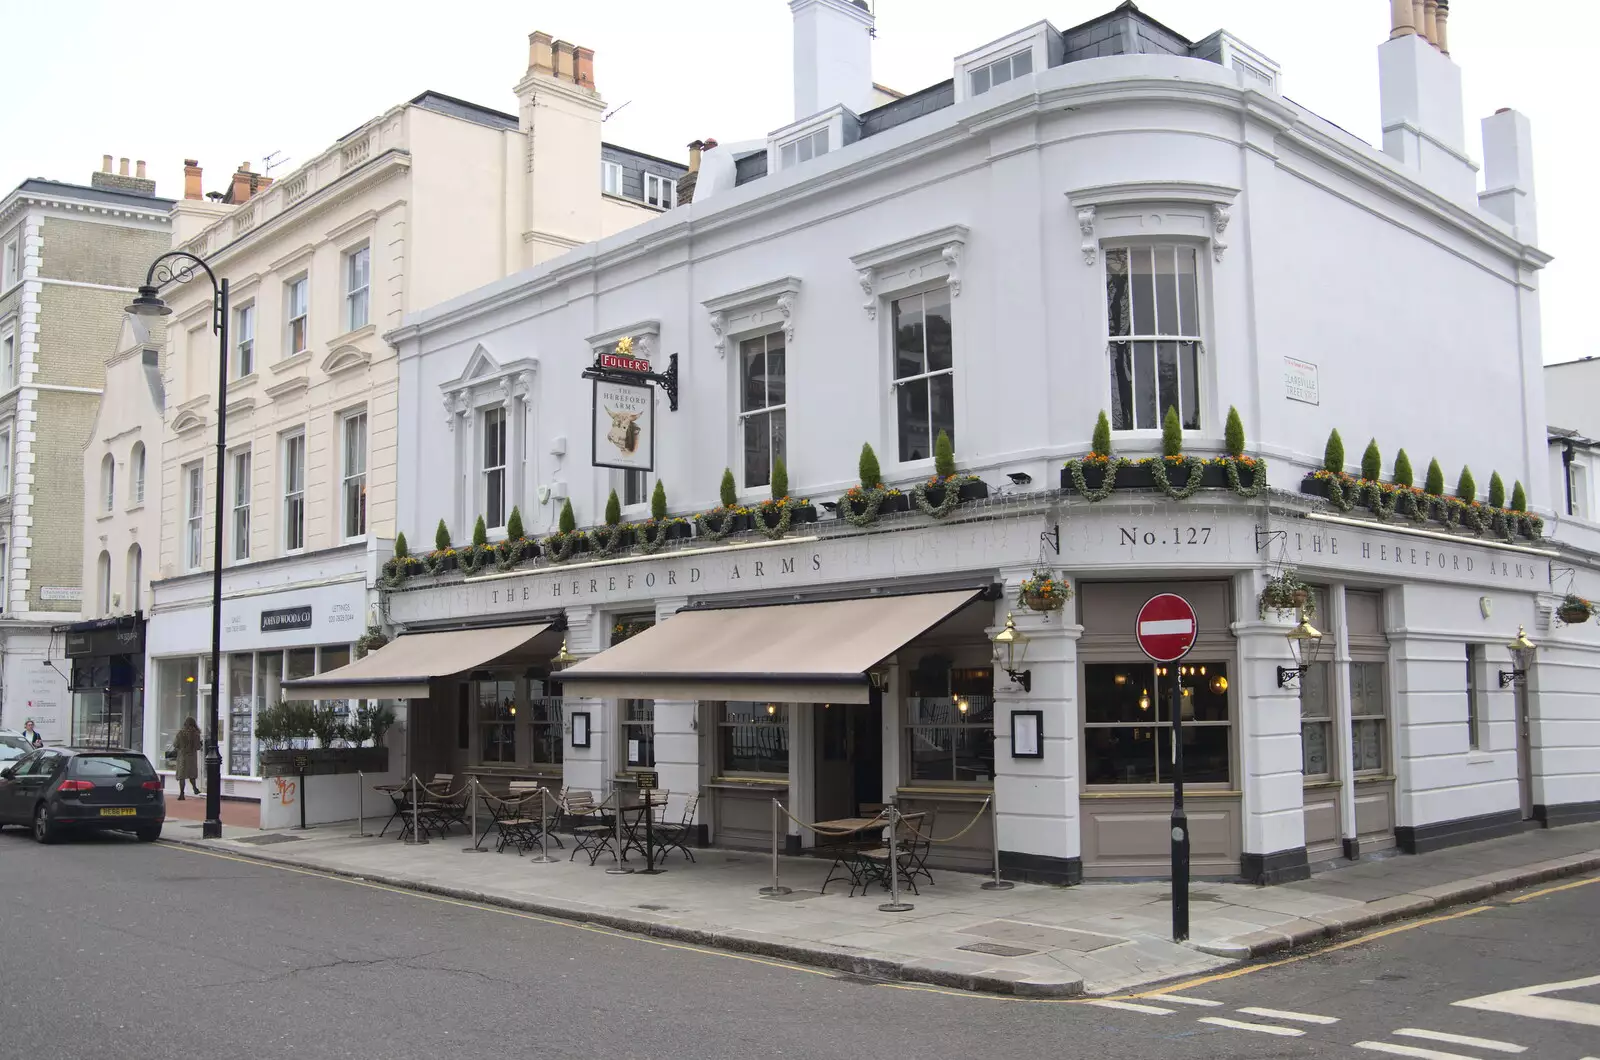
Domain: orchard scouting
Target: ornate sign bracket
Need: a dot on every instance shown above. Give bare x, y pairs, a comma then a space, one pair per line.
667, 380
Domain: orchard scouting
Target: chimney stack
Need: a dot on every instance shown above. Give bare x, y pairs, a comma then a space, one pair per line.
245, 185
694, 155
121, 181
564, 60
583, 66
1419, 91
1508, 172
832, 55
191, 179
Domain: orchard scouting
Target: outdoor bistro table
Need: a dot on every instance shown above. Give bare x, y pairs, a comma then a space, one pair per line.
849, 849
633, 823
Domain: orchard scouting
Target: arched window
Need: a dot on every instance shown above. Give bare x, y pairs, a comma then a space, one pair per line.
136, 474
134, 595
108, 483
103, 596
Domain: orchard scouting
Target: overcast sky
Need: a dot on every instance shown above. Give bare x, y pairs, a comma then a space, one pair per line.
95, 77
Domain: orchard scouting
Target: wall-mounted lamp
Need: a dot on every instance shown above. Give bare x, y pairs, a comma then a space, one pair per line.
1119, 679
1019, 478
772, 708
1305, 641
962, 705
1010, 648
1522, 651
879, 676
1219, 684
563, 658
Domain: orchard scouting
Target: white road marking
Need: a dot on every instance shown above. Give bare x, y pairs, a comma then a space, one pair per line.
1527, 1001
1129, 1006
1462, 1039
1259, 1028
1179, 999
1298, 1017
1411, 1050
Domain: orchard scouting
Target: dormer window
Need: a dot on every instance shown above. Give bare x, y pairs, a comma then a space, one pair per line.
999, 72
803, 149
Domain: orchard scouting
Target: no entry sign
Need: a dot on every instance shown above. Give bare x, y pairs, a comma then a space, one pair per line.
1166, 628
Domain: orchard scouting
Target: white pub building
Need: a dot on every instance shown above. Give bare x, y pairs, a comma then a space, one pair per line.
1108, 217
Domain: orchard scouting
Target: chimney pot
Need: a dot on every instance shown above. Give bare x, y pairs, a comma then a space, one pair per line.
1419, 18
105, 163
540, 58
1400, 19
583, 65
1430, 23
1440, 24
709, 143
694, 155
564, 60
191, 179
122, 167
138, 169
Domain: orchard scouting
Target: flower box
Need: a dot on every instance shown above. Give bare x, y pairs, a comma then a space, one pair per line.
771, 514
444, 564
1094, 476
974, 490
323, 761
679, 531
892, 502
1134, 477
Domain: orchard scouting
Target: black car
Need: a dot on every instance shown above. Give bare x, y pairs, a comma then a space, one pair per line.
59, 789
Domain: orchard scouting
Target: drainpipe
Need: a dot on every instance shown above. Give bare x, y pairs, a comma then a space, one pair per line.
1566, 472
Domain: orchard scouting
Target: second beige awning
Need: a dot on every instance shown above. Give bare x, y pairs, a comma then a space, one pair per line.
402, 668
786, 653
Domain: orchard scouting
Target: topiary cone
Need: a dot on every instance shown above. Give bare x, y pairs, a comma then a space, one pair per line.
441, 537
944, 455
1435, 481
1372, 462
1497, 491
1233, 434
1101, 445
1333, 454
613, 509
658, 502
401, 549
1402, 469
568, 522
514, 531
1519, 497
780, 479
1466, 488
867, 468
480, 534
728, 493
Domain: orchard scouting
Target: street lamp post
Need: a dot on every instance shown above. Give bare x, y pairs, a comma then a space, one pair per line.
180, 266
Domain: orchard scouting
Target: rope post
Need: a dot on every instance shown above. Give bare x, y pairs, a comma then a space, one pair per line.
472, 809
619, 869
361, 815
544, 857
416, 838
996, 884
776, 888
894, 904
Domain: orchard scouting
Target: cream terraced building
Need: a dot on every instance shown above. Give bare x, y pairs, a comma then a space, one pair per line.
430, 198
1106, 217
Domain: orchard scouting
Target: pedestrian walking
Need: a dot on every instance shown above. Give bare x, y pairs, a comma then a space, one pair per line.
31, 734
187, 745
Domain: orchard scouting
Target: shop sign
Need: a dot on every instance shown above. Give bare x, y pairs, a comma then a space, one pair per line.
286, 619
624, 425
112, 637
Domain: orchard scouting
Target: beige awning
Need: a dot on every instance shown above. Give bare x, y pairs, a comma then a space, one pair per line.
786, 653
402, 668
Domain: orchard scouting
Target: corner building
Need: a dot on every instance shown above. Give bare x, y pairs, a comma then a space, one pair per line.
1109, 217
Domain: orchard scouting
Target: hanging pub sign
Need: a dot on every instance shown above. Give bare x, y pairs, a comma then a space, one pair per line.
624, 413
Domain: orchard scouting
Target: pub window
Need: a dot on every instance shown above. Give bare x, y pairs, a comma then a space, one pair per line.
763, 408
1368, 717
1316, 722
1153, 320
1127, 729
497, 720
546, 722
638, 715
924, 371
1474, 661
753, 738
494, 467
950, 724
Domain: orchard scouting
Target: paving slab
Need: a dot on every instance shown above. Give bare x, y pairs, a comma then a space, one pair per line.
1035, 940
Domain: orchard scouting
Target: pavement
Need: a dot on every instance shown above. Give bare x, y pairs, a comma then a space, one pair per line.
1030, 941
187, 952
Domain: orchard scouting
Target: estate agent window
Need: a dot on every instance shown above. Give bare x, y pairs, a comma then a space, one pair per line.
1152, 300
924, 371
753, 738
1127, 730
763, 406
950, 724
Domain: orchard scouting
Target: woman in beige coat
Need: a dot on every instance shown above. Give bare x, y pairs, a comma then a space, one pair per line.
187, 745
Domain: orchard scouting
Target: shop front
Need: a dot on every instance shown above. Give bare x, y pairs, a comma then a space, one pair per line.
269, 639
107, 682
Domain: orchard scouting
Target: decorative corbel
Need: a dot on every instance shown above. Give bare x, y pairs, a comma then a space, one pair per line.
871, 304
450, 412
952, 260
786, 309
1091, 247
718, 322
1221, 214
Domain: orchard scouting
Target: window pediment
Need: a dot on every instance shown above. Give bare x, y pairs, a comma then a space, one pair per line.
344, 359
646, 336
486, 381
288, 386
757, 308
1163, 209
187, 420
902, 264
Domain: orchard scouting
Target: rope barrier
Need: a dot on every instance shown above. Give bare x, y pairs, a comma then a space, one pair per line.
491, 797
949, 839
882, 816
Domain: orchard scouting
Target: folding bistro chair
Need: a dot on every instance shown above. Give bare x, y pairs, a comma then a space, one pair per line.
875, 863
446, 807
515, 819
674, 835
918, 846
595, 835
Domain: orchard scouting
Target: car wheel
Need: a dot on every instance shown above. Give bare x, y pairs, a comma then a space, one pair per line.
148, 835
43, 830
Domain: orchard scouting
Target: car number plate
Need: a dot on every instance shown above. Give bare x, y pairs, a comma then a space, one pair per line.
118, 811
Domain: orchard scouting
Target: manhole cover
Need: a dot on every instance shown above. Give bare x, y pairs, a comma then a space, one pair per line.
269, 839
999, 949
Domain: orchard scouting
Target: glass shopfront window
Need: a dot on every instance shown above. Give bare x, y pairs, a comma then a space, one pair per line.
638, 731
497, 720
1127, 731
1316, 721
177, 698
950, 725
1368, 717
545, 726
753, 738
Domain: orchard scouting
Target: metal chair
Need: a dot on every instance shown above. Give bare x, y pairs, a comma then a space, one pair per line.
514, 818
875, 863
597, 835
675, 834
919, 846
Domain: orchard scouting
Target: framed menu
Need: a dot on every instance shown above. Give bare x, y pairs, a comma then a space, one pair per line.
1027, 734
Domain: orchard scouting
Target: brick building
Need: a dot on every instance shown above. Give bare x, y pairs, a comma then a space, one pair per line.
71, 255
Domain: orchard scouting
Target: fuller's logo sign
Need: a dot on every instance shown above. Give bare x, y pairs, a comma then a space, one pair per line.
618, 363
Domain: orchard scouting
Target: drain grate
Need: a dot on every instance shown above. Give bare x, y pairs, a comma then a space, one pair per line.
269, 839
998, 949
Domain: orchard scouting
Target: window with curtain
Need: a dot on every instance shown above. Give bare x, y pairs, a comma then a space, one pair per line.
1153, 319
924, 371
753, 738
495, 509
354, 480
763, 405
1127, 728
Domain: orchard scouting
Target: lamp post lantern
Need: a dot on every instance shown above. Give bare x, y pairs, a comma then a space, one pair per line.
1305, 642
1522, 651
180, 266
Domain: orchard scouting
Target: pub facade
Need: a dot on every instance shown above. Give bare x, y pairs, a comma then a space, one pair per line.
1147, 232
